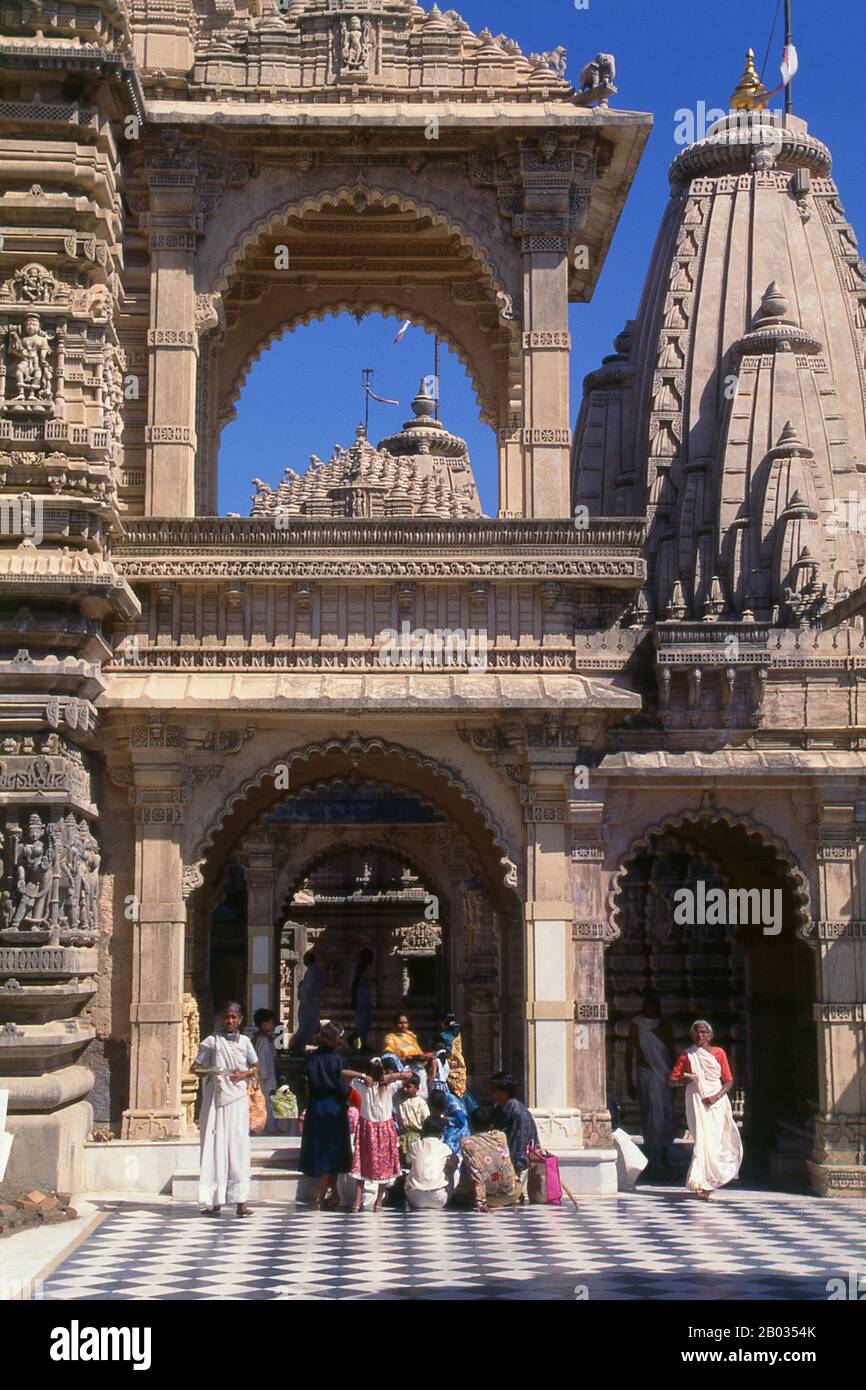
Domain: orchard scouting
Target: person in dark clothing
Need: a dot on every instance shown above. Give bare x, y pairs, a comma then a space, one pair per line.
326, 1148
512, 1117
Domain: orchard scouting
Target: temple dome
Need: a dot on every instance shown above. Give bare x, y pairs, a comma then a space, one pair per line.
740, 382
422, 471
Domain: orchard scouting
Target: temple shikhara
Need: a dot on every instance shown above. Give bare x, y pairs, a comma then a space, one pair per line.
207, 766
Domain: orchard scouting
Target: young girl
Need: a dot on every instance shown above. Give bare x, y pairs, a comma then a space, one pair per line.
377, 1157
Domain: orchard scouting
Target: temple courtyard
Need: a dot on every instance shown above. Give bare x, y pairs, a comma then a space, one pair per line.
656, 1243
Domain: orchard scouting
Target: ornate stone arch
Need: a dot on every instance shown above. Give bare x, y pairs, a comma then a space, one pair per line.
333, 198
473, 302
354, 748
389, 308
734, 820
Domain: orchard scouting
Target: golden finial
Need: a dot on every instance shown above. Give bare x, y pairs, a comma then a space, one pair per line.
750, 94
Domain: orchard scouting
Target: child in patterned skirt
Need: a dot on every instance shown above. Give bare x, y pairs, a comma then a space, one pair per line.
377, 1157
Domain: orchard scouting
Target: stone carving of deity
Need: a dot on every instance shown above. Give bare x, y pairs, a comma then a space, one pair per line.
356, 43
33, 867
73, 873
91, 860
112, 388
30, 351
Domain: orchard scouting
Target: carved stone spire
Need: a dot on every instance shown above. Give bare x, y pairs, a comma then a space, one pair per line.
742, 388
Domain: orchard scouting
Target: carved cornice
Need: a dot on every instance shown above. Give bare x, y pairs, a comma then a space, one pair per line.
142, 534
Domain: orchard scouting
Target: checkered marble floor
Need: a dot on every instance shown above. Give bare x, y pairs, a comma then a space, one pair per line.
656, 1243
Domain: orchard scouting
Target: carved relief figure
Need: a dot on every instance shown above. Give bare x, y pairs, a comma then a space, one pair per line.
33, 865
91, 861
30, 350
356, 43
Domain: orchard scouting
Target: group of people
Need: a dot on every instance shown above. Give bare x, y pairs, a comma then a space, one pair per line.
407, 1120
704, 1071
408, 1117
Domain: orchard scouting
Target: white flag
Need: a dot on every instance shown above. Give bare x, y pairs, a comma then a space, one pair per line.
790, 63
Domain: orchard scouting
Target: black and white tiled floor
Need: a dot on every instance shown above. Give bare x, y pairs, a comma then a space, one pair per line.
656, 1243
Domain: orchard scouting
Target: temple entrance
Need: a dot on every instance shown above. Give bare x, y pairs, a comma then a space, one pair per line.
368, 900
754, 980
351, 863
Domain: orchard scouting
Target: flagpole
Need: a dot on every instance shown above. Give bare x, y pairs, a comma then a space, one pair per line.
789, 104
436, 372
367, 375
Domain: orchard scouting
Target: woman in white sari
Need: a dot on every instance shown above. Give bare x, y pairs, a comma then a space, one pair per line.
226, 1061
706, 1075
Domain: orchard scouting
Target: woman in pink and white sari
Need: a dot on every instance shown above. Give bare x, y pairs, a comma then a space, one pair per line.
706, 1075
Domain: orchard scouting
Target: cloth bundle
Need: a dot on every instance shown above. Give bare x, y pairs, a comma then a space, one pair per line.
284, 1103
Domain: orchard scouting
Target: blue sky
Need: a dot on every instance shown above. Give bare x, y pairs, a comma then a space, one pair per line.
303, 395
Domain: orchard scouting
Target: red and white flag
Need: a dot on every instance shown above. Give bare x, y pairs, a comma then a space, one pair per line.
790, 63
403, 330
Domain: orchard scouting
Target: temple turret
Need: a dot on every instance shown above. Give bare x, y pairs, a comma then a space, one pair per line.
734, 411
420, 471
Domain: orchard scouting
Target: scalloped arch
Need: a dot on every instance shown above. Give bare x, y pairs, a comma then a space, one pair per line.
753, 828
486, 407
332, 198
355, 748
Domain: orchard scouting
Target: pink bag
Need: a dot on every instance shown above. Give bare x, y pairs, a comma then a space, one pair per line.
543, 1184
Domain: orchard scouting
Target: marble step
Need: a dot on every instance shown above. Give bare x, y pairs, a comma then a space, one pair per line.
275, 1175
267, 1184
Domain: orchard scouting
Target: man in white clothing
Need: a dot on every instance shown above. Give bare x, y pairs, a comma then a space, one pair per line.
226, 1061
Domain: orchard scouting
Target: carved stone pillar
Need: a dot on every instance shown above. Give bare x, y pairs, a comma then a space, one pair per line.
172, 342
839, 935
209, 318
158, 795
546, 347
480, 984
258, 858
549, 913
590, 935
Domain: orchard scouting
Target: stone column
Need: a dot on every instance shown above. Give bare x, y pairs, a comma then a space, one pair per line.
155, 1103
172, 341
839, 934
549, 913
590, 936
546, 347
258, 858
512, 499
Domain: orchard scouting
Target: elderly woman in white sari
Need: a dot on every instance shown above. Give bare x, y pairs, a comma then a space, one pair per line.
226, 1061
706, 1075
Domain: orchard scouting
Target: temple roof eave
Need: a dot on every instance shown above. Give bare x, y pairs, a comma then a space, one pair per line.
397, 692
408, 116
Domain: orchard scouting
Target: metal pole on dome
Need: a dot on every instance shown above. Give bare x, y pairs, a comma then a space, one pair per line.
436, 373
367, 376
789, 39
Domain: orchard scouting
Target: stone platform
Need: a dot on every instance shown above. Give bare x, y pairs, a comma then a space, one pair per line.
171, 1167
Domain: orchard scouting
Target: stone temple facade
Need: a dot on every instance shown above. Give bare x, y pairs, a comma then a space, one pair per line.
207, 764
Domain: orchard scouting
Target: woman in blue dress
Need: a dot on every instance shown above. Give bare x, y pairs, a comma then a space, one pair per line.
326, 1149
